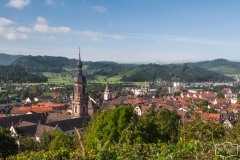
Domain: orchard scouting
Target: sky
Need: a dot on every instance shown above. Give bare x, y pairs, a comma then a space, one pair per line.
125, 31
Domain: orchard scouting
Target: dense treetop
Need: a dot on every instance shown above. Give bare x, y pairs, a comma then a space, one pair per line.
16, 73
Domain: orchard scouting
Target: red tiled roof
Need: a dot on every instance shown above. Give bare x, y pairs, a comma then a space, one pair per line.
225, 90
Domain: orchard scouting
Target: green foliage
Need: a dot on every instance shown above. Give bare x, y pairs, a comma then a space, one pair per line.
222, 66
220, 95
238, 101
44, 142
16, 73
4, 96
60, 140
203, 103
108, 126
196, 139
54, 141
36, 90
24, 94
45, 63
167, 123
8, 145
145, 128
6, 59
15, 104
112, 70
27, 144
175, 73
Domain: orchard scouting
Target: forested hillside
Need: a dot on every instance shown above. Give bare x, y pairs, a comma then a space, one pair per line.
18, 74
190, 72
6, 59
176, 73
45, 63
112, 70
222, 66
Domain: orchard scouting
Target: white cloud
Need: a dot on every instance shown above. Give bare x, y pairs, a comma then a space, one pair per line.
100, 8
18, 3
24, 29
117, 36
51, 37
198, 41
12, 34
5, 22
49, 2
42, 26
97, 36
94, 35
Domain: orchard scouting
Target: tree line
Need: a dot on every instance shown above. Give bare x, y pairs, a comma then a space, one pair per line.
18, 74
120, 134
175, 73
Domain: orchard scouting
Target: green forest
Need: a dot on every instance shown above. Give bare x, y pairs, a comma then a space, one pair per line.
180, 73
45, 63
189, 72
18, 74
119, 134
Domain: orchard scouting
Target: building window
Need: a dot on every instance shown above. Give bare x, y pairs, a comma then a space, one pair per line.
75, 109
83, 109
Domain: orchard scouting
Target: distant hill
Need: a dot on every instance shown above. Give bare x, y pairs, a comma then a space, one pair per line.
6, 59
132, 72
45, 63
18, 74
181, 73
112, 70
222, 66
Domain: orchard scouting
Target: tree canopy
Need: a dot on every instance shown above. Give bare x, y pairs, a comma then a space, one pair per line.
8, 145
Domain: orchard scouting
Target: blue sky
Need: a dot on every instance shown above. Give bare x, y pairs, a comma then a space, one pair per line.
156, 31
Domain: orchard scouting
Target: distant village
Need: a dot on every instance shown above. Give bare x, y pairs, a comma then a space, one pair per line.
36, 115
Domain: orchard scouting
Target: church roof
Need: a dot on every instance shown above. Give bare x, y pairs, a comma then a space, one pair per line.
106, 89
79, 77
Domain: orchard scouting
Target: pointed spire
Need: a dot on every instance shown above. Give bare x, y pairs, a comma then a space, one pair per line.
79, 63
79, 77
106, 89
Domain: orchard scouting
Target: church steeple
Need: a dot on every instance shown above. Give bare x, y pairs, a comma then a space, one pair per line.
79, 77
107, 95
79, 65
80, 99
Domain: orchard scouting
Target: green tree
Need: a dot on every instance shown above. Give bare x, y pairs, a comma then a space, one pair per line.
220, 95
60, 139
238, 95
203, 103
26, 144
15, 104
145, 128
8, 144
44, 142
24, 94
238, 101
36, 90
167, 125
109, 125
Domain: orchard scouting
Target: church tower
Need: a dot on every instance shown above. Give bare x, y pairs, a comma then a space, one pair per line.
107, 94
80, 100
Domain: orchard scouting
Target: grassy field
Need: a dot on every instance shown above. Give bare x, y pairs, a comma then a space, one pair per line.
232, 75
58, 78
224, 69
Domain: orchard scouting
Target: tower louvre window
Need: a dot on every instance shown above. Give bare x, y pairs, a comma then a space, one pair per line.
83, 109
75, 108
